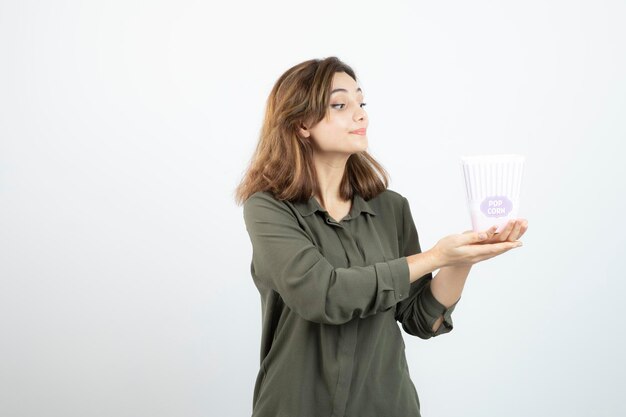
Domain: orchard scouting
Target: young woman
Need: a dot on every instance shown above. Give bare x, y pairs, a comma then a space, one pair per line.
337, 260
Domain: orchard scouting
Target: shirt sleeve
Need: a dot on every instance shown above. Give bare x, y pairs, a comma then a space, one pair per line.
285, 259
419, 311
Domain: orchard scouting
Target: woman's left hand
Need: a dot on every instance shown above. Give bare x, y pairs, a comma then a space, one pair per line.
513, 230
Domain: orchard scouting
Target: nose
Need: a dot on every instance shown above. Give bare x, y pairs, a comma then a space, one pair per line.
360, 114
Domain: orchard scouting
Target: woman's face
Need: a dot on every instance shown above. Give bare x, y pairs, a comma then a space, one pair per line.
345, 114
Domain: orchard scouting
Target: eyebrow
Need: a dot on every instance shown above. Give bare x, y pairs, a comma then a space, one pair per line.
336, 90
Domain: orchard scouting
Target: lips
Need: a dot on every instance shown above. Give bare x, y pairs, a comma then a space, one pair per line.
358, 132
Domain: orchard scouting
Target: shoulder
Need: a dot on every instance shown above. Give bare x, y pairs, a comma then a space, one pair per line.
261, 199
260, 196
389, 200
263, 203
392, 195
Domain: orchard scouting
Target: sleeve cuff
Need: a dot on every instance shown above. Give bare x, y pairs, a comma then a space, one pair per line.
401, 277
434, 309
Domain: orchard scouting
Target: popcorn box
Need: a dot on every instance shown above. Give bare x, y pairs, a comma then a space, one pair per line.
492, 185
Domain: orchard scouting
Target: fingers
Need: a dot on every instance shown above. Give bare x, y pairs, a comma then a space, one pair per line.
475, 237
515, 233
485, 236
504, 234
521, 225
523, 228
470, 237
492, 247
479, 253
496, 249
509, 245
514, 229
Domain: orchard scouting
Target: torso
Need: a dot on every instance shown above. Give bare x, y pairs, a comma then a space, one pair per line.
297, 349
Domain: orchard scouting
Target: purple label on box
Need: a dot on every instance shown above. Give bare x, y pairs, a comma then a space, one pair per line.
496, 206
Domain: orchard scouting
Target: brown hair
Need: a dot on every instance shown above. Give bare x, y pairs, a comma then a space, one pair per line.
283, 160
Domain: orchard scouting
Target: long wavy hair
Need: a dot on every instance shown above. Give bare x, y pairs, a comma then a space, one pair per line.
282, 162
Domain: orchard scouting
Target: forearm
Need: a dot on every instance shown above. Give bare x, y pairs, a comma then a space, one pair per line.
447, 286
421, 264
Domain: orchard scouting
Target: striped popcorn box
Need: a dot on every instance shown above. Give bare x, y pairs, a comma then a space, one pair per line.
492, 185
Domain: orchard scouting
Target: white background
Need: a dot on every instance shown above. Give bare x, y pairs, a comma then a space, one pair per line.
125, 126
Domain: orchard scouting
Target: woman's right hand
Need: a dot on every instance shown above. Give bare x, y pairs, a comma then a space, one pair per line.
469, 248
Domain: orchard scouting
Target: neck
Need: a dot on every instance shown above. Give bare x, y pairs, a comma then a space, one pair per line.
330, 170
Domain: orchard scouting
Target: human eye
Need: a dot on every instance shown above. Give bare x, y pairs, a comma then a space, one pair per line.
341, 104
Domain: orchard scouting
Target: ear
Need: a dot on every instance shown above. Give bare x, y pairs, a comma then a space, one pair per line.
304, 131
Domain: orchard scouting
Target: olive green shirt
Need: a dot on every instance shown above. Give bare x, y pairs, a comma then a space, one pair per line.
332, 295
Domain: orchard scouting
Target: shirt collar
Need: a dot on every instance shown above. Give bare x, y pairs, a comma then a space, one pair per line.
359, 205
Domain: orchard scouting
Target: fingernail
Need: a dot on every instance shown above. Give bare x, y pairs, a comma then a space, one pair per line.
481, 236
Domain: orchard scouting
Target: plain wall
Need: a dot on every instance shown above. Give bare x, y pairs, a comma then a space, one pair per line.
125, 285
